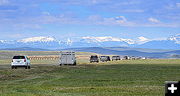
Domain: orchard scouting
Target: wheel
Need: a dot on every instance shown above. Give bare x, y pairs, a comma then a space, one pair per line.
12, 67
29, 67
15, 67
74, 63
26, 67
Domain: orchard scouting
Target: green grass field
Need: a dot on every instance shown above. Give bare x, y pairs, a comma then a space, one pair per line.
115, 78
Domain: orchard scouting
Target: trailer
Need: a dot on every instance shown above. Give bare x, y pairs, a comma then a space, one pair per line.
67, 58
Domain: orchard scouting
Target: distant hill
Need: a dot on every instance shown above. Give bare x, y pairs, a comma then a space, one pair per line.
25, 49
127, 51
139, 49
151, 53
163, 44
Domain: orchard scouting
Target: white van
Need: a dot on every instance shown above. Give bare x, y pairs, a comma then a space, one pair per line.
67, 58
20, 61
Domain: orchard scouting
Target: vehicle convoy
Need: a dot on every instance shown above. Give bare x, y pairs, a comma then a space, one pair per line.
94, 58
20, 61
116, 58
104, 58
67, 58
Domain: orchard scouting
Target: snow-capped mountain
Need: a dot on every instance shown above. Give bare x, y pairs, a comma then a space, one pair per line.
172, 42
103, 42
37, 39
35, 42
2, 41
175, 38
107, 39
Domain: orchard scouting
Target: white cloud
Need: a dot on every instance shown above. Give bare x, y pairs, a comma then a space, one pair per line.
133, 10
126, 3
58, 19
95, 18
171, 25
173, 6
154, 20
94, 1
178, 5
3, 2
91, 20
15, 36
46, 13
121, 19
27, 26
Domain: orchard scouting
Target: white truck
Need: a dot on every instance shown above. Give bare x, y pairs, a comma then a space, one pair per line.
67, 58
20, 61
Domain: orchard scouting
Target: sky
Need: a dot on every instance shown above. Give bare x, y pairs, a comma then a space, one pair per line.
133, 19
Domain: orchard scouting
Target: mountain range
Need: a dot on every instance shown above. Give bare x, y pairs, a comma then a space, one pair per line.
142, 52
41, 42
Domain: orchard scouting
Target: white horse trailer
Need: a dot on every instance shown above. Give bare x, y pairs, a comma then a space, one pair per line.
67, 58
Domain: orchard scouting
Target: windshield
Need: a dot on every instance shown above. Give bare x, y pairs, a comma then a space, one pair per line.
94, 57
19, 57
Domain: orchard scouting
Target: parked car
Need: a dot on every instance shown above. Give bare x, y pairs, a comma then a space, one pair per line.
67, 58
108, 57
104, 58
116, 58
20, 61
126, 57
94, 58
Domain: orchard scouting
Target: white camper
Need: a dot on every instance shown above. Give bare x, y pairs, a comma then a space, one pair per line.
67, 58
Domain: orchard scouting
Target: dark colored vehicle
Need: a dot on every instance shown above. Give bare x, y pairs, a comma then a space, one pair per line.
94, 58
116, 58
105, 58
126, 57
108, 58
